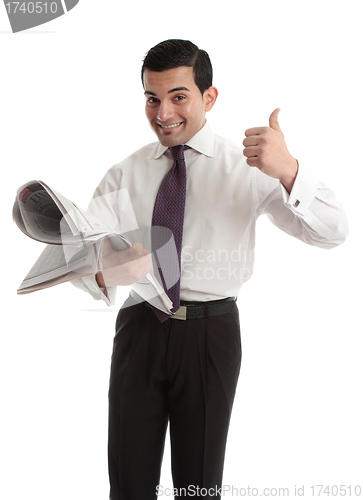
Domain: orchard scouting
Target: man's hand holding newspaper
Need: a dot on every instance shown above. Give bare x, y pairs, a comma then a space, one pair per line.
123, 267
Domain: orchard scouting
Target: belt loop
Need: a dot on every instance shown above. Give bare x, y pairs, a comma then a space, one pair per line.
206, 310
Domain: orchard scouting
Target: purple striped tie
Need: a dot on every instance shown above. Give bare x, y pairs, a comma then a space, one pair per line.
169, 213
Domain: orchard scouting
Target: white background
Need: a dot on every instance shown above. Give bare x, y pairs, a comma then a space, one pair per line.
71, 107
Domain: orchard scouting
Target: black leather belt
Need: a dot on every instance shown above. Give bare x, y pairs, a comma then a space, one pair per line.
197, 310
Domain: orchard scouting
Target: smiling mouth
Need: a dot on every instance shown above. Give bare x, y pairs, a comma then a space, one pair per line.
174, 125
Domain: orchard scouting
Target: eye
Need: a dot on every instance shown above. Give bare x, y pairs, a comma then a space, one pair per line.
179, 97
151, 101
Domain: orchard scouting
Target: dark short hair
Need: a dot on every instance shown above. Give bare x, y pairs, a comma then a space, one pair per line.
175, 53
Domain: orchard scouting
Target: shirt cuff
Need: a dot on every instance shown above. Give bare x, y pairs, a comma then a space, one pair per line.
302, 193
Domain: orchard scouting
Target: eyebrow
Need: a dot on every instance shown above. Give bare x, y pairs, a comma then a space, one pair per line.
176, 89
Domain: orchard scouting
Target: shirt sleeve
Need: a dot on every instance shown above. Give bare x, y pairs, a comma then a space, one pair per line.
311, 212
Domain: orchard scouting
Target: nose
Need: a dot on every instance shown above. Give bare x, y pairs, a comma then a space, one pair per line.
166, 111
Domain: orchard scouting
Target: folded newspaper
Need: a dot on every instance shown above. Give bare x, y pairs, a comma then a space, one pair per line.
74, 242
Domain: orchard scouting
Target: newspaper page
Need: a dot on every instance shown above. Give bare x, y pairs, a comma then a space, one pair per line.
47, 216
52, 268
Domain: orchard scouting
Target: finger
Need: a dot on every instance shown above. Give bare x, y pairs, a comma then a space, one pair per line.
273, 122
140, 267
253, 161
137, 250
130, 254
250, 151
254, 131
130, 266
253, 140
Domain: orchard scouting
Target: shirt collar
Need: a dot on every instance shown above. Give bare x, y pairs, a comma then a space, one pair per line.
203, 142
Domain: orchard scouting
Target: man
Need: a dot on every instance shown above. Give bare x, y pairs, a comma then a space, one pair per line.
185, 371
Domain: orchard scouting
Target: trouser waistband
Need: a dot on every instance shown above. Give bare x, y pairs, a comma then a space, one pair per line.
198, 310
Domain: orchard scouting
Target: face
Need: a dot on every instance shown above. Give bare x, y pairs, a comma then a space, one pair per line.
175, 107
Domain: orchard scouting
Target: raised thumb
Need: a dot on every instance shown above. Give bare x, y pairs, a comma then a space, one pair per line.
273, 122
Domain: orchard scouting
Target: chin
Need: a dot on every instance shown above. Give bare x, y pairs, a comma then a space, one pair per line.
170, 141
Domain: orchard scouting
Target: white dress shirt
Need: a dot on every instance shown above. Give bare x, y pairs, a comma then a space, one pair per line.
224, 198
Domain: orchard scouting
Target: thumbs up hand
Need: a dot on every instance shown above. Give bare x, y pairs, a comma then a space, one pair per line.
265, 148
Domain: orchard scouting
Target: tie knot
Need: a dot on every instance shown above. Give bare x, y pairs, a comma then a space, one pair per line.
177, 152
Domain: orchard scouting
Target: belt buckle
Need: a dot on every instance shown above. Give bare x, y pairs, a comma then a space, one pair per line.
181, 313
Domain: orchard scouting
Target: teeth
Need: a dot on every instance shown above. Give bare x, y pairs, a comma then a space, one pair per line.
170, 126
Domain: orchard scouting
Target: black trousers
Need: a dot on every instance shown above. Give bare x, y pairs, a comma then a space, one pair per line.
181, 372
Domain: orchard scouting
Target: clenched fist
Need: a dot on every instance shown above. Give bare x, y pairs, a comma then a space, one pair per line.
123, 267
265, 148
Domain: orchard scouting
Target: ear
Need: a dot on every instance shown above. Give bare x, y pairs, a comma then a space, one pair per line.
210, 97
